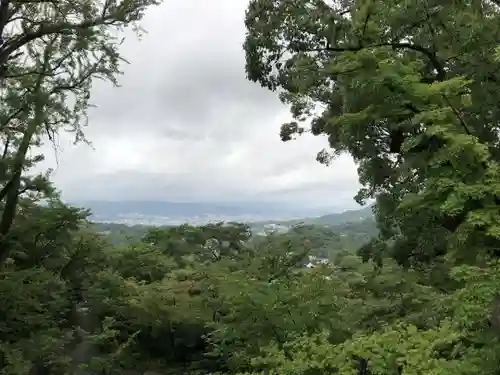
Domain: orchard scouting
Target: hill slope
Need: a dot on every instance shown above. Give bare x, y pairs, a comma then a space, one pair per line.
329, 220
343, 217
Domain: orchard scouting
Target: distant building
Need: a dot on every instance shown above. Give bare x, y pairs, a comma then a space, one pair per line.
316, 261
277, 228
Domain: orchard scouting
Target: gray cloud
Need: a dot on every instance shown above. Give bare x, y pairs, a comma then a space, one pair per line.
187, 125
187, 83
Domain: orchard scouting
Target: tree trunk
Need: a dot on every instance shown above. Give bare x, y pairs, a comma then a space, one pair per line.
12, 193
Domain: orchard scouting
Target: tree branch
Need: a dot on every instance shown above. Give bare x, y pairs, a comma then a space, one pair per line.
441, 73
4, 16
23, 39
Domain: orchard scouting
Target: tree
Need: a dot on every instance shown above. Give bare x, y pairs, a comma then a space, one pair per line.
51, 261
458, 339
409, 90
44, 235
61, 48
24, 23
210, 242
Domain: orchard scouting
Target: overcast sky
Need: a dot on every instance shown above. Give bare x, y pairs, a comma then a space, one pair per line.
186, 125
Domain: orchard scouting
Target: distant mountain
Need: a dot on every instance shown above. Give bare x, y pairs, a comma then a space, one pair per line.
174, 213
343, 217
330, 220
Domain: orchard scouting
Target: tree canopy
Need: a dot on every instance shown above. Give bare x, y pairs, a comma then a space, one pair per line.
408, 88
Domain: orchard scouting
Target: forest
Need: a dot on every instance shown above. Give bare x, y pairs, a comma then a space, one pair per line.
409, 88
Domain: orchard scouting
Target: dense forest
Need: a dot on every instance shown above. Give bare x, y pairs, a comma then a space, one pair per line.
333, 233
410, 89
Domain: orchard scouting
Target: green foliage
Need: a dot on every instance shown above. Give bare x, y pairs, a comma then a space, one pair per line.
408, 88
35, 304
171, 306
461, 342
49, 55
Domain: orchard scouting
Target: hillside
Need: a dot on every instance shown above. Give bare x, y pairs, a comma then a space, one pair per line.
329, 220
343, 217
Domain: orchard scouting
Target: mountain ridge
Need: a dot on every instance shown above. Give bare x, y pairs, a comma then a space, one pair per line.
332, 219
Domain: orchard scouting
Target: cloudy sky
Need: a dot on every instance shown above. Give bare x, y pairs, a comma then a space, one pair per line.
186, 125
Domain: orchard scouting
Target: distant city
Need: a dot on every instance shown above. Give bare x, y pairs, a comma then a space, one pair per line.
174, 213
145, 219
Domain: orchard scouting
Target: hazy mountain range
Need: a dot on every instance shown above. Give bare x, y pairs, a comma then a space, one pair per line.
174, 213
